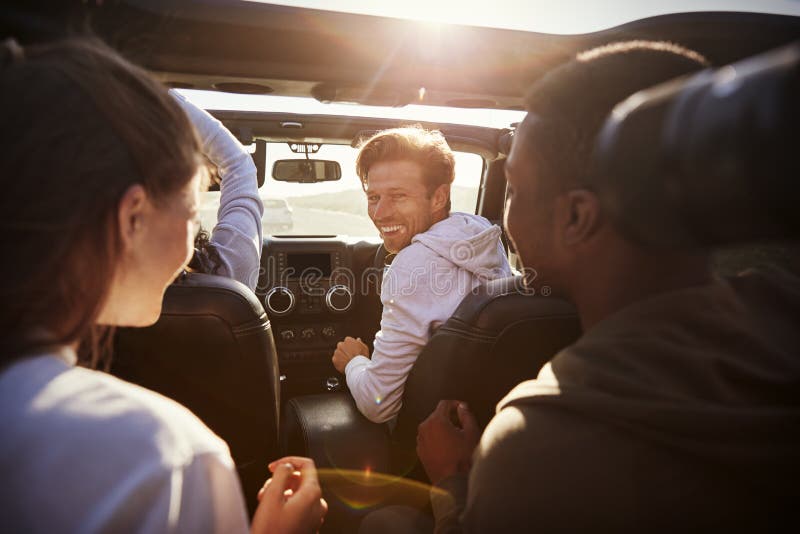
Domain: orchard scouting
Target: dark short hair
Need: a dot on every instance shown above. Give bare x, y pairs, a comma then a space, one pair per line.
80, 126
572, 101
427, 148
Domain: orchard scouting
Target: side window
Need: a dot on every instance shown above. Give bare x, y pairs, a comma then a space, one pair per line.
464, 193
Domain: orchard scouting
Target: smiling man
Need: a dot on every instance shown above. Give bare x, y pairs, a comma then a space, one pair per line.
438, 257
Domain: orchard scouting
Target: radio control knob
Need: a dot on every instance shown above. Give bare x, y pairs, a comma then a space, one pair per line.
287, 335
328, 332
308, 333
339, 299
279, 300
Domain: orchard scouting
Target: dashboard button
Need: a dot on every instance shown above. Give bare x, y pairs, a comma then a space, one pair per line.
308, 333
328, 332
332, 383
287, 335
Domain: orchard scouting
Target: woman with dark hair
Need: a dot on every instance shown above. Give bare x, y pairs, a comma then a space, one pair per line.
101, 175
233, 248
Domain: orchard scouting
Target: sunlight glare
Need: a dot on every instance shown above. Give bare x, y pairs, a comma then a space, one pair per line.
493, 118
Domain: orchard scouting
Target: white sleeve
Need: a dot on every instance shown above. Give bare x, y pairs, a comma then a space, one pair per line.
238, 233
410, 307
211, 498
203, 496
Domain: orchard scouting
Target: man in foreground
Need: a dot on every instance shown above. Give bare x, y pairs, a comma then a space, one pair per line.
677, 407
439, 257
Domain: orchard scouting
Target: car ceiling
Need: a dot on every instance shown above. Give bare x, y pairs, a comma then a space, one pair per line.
250, 47
302, 128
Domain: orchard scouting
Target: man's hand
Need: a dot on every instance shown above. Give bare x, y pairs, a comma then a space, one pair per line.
347, 350
445, 448
291, 501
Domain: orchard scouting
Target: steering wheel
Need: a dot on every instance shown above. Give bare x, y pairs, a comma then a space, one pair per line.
382, 258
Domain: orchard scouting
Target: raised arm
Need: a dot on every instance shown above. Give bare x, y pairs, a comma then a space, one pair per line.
237, 237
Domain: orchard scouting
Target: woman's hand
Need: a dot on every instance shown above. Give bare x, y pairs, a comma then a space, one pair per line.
291, 501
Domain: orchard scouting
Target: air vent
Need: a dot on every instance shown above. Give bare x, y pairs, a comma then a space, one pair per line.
243, 88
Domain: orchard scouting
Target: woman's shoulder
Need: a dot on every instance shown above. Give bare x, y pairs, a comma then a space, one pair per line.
118, 449
55, 400
144, 416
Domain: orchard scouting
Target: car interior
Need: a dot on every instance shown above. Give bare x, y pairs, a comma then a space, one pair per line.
256, 366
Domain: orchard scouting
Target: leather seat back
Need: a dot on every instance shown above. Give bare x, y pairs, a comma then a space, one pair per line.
212, 351
499, 336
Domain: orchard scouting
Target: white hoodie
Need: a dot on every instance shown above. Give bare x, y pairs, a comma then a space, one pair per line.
421, 289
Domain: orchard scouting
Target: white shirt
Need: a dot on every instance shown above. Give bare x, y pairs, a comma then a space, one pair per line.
82, 451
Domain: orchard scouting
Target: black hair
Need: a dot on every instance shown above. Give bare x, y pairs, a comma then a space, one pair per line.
571, 102
81, 125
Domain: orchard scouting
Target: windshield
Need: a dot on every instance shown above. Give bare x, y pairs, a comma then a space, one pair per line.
333, 208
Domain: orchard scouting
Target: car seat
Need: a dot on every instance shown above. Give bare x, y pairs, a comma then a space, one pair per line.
499, 336
212, 351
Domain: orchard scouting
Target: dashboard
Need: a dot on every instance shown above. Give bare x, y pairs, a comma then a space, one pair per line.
316, 291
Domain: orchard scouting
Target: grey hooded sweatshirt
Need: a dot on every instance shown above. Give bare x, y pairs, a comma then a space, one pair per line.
421, 289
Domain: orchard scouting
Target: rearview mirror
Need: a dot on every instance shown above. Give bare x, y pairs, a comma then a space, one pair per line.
306, 170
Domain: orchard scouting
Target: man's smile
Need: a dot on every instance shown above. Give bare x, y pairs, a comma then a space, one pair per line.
392, 229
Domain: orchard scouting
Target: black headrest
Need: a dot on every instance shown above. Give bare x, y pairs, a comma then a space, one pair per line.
212, 351
707, 160
231, 299
508, 295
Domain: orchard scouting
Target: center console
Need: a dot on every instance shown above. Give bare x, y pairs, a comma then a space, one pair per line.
310, 288
310, 283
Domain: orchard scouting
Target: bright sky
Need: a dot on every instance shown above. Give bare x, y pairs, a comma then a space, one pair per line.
478, 117
548, 16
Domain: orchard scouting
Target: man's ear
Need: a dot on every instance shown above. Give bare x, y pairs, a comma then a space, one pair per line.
131, 215
580, 217
440, 197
